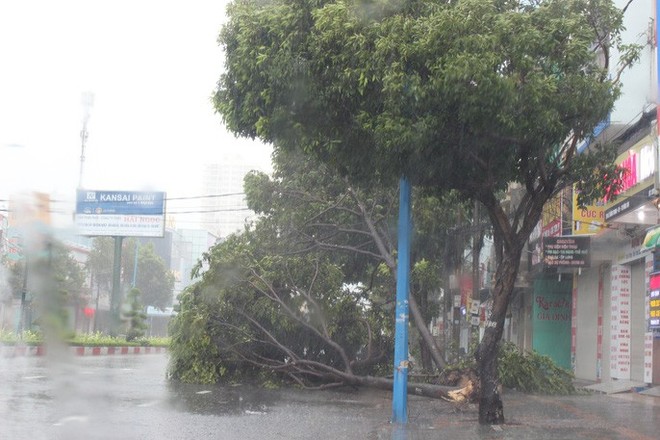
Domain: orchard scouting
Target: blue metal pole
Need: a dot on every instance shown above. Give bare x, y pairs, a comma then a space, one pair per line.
400, 389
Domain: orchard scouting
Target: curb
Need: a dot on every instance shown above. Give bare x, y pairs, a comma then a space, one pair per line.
9, 351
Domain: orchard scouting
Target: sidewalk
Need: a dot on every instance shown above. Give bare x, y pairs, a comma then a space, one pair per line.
629, 416
77, 350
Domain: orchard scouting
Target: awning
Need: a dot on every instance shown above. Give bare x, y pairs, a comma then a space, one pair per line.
652, 238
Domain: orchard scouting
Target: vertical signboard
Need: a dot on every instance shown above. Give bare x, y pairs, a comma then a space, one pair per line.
599, 325
574, 295
620, 323
648, 357
652, 308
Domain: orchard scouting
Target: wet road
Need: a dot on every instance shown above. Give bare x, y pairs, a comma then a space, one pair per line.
128, 397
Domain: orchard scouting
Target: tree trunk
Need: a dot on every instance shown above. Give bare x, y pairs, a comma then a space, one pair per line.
491, 410
424, 332
417, 389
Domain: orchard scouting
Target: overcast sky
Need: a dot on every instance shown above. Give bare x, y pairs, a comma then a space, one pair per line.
152, 66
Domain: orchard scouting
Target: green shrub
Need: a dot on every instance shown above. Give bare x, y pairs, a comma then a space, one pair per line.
529, 372
30, 337
532, 372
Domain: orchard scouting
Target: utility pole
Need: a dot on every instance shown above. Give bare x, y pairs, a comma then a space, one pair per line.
400, 388
115, 300
135, 262
24, 290
87, 101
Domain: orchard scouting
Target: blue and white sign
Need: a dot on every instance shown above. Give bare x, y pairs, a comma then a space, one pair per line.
120, 213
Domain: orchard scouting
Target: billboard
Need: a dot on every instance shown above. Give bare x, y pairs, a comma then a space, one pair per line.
120, 213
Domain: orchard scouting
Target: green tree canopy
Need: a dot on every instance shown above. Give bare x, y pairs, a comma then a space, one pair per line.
471, 95
320, 254
154, 281
100, 260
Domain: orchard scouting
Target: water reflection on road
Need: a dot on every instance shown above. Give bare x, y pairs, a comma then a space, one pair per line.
221, 400
128, 397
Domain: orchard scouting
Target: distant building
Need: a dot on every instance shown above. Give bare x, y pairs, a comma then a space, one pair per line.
227, 211
192, 244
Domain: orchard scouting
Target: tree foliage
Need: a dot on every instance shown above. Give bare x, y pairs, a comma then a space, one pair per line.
134, 315
154, 280
264, 313
310, 283
100, 260
469, 95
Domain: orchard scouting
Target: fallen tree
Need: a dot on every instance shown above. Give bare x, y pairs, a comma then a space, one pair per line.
306, 292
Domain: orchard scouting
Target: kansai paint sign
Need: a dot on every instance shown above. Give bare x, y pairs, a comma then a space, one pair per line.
120, 213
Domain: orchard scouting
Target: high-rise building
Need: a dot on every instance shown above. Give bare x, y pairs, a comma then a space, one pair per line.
192, 244
226, 211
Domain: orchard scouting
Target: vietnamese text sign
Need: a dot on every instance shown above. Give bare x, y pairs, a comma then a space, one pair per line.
620, 322
648, 357
566, 251
120, 213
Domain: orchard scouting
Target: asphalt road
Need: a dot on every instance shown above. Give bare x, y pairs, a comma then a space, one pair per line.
128, 397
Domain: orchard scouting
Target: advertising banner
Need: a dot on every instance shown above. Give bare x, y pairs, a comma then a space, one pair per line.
120, 213
654, 301
639, 165
588, 220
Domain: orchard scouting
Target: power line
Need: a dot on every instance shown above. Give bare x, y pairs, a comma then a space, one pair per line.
209, 211
206, 196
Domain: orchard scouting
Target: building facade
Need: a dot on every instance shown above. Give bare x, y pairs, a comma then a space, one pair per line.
589, 303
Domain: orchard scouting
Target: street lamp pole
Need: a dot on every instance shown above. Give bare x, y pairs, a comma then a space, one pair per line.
87, 103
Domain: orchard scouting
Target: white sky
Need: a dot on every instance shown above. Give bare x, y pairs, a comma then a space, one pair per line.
152, 66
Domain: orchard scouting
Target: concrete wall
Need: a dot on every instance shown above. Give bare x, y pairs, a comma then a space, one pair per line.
587, 315
637, 321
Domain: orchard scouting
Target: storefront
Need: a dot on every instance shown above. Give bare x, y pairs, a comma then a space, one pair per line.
612, 337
